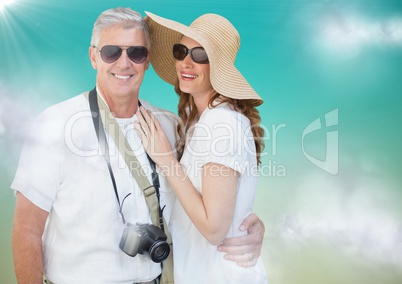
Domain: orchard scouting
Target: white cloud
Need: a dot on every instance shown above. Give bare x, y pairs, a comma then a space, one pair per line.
355, 215
351, 33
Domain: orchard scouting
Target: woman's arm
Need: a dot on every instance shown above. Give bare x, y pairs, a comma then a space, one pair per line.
212, 211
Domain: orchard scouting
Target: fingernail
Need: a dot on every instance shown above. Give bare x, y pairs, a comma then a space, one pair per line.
242, 228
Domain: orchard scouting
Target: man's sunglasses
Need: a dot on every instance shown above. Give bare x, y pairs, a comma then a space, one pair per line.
111, 53
198, 54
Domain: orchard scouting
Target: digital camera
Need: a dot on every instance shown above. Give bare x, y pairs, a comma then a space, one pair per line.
145, 239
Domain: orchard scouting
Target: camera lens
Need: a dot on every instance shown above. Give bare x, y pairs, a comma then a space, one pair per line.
159, 252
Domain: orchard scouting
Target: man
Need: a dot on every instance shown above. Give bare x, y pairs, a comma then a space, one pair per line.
67, 222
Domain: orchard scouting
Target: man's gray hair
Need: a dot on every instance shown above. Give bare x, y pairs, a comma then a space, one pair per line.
119, 17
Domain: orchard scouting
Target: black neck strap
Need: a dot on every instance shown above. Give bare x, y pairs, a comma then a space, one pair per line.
100, 133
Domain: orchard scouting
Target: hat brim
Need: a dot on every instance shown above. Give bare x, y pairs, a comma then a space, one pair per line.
224, 76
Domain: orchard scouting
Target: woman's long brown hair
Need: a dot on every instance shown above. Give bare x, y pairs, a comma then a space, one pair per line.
188, 113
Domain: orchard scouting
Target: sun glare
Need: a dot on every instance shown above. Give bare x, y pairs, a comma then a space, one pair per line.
4, 3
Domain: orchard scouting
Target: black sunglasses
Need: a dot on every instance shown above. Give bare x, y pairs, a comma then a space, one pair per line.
198, 54
111, 53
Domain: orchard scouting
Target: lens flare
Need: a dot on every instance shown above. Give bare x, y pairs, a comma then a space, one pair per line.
4, 3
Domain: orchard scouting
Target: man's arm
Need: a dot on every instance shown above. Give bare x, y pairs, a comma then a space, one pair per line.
245, 250
29, 223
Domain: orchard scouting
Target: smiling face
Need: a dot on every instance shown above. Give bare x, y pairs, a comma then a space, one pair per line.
194, 77
121, 79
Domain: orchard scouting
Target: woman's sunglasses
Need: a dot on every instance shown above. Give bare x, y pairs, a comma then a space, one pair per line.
198, 54
111, 53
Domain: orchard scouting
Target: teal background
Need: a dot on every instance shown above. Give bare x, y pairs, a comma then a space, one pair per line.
305, 59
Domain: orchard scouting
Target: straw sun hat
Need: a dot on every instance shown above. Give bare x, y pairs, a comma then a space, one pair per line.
221, 42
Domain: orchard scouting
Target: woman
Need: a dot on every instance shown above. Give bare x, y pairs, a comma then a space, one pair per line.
220, 146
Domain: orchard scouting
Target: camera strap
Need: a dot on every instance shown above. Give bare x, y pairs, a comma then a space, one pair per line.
101, 115
100, 134
120, 140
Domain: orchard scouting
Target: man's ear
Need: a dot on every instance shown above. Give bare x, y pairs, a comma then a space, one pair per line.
92, 56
